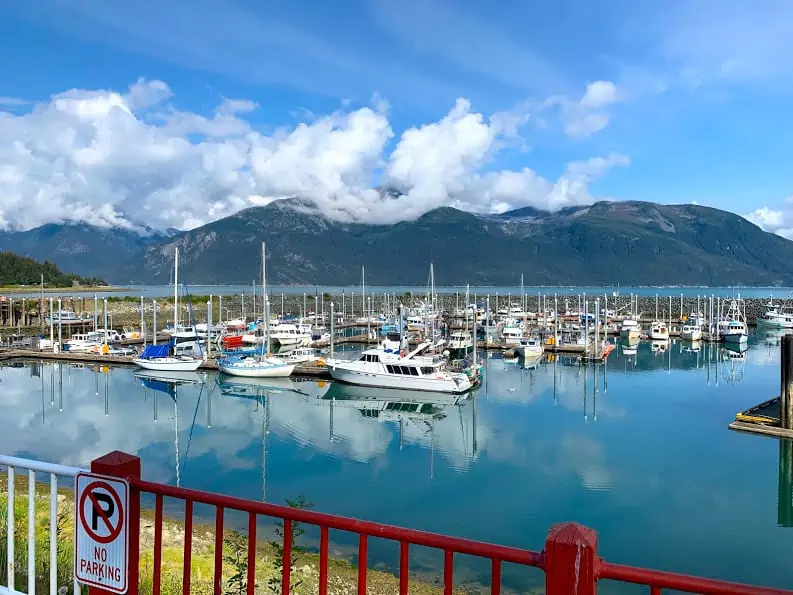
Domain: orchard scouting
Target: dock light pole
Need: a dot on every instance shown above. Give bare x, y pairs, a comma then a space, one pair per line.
104, 315
60, 325
96, 313
154, 322
597, 329
586, 326
142, 321
209, 328
220, 307
52, 332
332, 328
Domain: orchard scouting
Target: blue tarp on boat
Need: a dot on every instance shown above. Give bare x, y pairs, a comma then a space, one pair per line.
155, 351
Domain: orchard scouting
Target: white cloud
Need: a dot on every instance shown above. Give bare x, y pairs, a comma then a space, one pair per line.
778, 221
587, 115
599, 94
132, 158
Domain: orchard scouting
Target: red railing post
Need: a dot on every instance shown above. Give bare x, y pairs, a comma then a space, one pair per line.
122, 465
571, 560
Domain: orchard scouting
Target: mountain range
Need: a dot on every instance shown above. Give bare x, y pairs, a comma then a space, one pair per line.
632, 243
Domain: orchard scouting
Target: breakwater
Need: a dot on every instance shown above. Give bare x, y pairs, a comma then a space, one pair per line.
126, 311
352, 306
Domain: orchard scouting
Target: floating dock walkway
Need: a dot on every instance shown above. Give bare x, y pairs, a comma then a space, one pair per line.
773, 417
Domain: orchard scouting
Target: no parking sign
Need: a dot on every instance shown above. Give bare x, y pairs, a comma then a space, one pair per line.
101, 549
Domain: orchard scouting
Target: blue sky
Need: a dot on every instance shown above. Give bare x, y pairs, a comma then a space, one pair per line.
692, 102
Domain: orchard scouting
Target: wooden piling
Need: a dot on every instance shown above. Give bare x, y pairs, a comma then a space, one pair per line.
786, 383
785, 495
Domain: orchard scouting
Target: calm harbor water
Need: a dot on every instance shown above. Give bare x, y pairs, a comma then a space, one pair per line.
153, 291
638, 449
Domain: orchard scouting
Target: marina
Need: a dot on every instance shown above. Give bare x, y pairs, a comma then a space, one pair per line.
617, 445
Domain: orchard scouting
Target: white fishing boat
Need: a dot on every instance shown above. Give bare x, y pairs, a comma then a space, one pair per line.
530, 348
261, 364
732, 327
83, 342
301, 355
288, 335
63, 317
659, 331
417, 372
630, 329
511, 335
460, 340
774, 317
415, 323
690, 332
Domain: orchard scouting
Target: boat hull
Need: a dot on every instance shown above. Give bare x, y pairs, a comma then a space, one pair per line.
691, 335
418, 383
774, 323
735, 338
530, 352
266, 371
169, 364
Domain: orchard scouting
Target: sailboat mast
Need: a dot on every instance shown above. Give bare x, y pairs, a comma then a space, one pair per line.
175, 290
265, 303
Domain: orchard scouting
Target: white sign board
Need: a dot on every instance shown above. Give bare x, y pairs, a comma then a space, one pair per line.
101, 539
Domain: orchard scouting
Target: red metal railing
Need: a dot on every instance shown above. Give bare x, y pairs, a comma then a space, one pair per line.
570, 558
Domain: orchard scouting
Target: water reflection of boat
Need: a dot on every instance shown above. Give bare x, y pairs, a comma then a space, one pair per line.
418, 410
349, 392
171, 376
735, 347
732, 370
168, 382
773, 337
693, 347
254, 388
659, 345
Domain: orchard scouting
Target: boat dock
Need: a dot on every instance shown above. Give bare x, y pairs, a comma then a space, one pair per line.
773, 417
303, 369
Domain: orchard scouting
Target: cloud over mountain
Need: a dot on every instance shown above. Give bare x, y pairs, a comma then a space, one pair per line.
125, 159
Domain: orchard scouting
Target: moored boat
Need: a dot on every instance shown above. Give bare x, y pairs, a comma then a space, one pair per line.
377, 368
659, 331
630, 329
159, 358
773, 317
530, 347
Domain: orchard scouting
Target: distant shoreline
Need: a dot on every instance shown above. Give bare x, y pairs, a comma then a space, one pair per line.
77, 289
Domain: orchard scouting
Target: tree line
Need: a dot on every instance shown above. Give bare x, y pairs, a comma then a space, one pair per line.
20, 270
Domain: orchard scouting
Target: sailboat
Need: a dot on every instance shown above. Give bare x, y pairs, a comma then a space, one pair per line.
163, 357
261, 364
